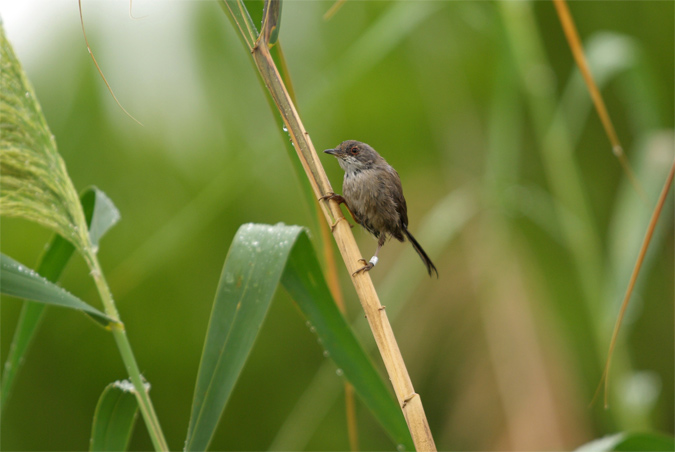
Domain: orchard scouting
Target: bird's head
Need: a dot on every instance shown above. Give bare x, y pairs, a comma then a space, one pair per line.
353, 155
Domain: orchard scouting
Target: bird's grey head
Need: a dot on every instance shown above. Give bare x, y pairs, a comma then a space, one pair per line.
354, 156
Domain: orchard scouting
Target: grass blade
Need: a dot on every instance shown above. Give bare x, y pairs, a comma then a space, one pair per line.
114, 418
100, 212
249, 279
578, 52
630, 442
101, 215
633, 278
19, 281
260, 257
303, 280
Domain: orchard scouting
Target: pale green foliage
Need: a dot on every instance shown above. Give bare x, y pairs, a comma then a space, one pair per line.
34, 183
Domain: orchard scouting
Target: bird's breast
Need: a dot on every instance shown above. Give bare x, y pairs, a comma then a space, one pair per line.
369, 194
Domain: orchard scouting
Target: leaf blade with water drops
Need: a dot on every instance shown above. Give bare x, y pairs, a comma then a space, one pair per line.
303, 280
250, 276
19, 281
259, 258
101, 214
114, 419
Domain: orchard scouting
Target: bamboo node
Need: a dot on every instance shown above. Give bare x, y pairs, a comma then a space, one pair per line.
408, 399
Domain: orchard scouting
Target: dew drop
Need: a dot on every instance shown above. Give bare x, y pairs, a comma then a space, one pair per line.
339, 372
285, 128
312, 329
400, 448
229, 278
27, 94
326, 353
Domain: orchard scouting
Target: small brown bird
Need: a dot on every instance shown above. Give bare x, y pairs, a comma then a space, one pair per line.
373, 194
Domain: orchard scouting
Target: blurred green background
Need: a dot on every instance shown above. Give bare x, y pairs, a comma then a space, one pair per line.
511, 187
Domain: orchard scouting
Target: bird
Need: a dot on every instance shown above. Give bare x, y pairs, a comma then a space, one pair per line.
373, 194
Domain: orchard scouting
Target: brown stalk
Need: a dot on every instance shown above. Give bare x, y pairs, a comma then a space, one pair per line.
579, 57
409, 401
331, 274
633, 278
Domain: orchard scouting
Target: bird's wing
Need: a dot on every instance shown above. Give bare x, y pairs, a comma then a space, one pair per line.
397, 193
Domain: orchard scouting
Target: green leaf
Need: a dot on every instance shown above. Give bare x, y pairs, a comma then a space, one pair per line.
20, 281
101, 214
114, 418
304, 281
269, 32
241, 20
260, 257
250, 277
629, 442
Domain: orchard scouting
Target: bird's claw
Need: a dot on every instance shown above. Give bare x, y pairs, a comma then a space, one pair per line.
365, 268
329, 195
332, 226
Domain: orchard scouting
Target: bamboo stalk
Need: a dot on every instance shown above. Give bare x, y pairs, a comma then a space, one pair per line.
330, 273
409, 401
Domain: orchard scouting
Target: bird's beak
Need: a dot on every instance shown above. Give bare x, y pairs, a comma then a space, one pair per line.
331, 151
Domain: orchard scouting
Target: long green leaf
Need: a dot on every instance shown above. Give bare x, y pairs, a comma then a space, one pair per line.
304, 281
114, 418
250, 277
20, 281
260, 257
101, 215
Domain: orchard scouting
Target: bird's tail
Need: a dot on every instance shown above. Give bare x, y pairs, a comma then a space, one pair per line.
430, 265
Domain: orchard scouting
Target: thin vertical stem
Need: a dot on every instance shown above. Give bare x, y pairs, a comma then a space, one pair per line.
633, 278
120, 335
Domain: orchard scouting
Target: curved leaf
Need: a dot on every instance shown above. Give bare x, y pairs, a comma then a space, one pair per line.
304, 281
260, 256
630, 442
101, 215
20, 281
250, 277
100, 212
114, 418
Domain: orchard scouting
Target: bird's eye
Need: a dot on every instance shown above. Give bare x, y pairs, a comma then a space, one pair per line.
354, 150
